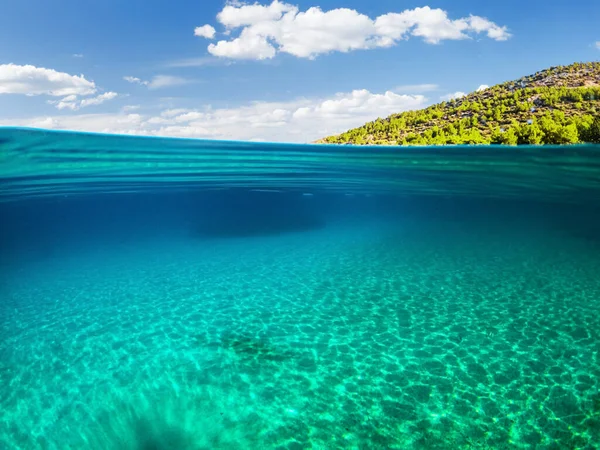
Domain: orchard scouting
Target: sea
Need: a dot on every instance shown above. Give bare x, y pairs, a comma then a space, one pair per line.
183, 294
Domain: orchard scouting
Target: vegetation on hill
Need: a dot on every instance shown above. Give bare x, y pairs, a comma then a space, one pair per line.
560, 105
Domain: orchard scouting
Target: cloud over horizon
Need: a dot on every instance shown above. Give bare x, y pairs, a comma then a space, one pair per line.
299, 120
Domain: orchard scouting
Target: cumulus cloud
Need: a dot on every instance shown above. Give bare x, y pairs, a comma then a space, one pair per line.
483, 87
205, 31
29, 80
247, 46
32, 80
300, 120
265, 30
158, 81
597, 45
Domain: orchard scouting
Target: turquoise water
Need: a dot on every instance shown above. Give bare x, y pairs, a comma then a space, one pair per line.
186, 294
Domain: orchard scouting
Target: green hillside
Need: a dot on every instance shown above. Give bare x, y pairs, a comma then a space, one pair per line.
559, 105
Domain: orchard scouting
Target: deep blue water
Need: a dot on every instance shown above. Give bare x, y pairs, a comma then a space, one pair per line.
186, 294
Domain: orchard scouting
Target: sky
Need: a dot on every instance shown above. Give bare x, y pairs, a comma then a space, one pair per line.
286, 71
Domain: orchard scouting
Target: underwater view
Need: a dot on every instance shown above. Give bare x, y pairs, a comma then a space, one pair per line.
163, 293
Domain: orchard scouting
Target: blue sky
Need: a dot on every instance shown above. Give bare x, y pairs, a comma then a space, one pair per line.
283, 71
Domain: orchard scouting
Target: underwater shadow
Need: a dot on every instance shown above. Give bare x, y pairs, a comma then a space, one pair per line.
149, 437
582, 224
250, 214
172, 422
250, 347
247, 347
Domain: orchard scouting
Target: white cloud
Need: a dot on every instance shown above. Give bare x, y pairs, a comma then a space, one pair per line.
237, 14
162, 81
205, 31
77, 55
174, 112
135, 80
459, 94
158, 81
482, 25
300, 120
452, 96
31, 80
98, 99
597, 45
244, 47
281, 27
68, 102
73, 103
198, 62
45, 122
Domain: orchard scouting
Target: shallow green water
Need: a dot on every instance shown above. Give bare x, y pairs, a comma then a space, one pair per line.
172, 318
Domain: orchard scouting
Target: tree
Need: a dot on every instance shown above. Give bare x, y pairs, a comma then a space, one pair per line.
507, 137
550, 129
471, 136
568, 135
591, 133
529, 134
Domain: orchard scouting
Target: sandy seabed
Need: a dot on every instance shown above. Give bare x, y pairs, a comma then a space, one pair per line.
355, 337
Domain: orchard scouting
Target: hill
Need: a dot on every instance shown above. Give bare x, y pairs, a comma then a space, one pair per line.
559, 105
